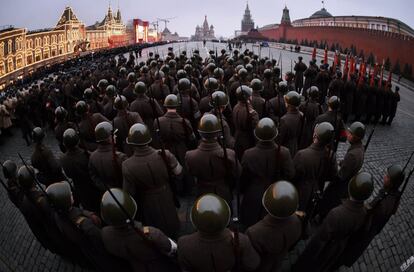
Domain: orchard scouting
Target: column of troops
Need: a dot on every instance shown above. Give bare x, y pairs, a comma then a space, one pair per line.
258, 153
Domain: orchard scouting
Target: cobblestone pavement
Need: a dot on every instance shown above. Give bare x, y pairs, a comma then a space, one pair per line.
19, 251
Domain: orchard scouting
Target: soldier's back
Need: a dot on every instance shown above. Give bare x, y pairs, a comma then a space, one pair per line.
273, 238
197, 252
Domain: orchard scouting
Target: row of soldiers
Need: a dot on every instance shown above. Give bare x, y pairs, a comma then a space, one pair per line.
367, 98
134, 145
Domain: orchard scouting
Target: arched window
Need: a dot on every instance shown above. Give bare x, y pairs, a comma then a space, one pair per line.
10, 47
2, 50
2, 68
10, 64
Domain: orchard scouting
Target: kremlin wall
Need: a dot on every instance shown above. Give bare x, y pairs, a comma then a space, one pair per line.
395, 43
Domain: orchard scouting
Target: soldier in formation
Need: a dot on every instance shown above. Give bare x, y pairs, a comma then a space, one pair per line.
226, 130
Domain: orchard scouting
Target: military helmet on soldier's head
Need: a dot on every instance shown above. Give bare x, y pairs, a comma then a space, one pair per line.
103, 131
144, 69
257, 85
293, 98
334, 102
324, 132
139, 135
38, 134
81, 108
60, 195
165, 68
266, 130
281, 199
25, 177
313, 92
210, 214
140, 88
188, 68
112, 213
181, 74
60, 113
219, 99
184, 85
267, 73
209, 126
110, 90
102, 84
159, 75
357, 129
242, 73
9, 169
70, 138
123, 71
211, 84
361, 186
396, 175
131, 77
88, 94
282, 87
171, 101
120, 102
218, 73
243, 93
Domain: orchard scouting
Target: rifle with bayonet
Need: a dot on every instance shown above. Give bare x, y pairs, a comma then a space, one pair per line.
369, 138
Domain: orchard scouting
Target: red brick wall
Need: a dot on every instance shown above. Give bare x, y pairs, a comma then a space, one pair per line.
381, 44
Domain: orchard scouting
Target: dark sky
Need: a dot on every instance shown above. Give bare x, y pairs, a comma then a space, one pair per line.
225, 15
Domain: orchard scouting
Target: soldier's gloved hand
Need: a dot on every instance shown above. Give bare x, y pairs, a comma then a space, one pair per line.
301, 214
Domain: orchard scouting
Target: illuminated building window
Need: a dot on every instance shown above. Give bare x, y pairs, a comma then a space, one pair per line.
2, 68
29, 58
10, 47
38, 55
2, 49
46, 53
10, 64
19, 61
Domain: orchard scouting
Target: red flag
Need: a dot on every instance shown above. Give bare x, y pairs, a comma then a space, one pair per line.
389, 79
362, 71
382, 73
334, 62
345, 71
339, 60
374, 73
352, 66
314, 53
325, 58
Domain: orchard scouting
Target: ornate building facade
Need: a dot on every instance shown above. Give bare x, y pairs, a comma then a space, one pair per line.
247, 23
22, 51
205, 32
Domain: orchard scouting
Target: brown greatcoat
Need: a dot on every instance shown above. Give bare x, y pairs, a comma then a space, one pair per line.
329, 241
146, 179
276, 108
213, 174
291, 127
262, 165
49, 167
380, 210
244, 124
87, 129
313, 167
338, 189
75, 164
103, 168
147, 108
205, 253
124, 242
273, 238
123, 122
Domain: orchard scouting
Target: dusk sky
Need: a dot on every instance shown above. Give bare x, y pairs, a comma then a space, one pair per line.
224, 15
